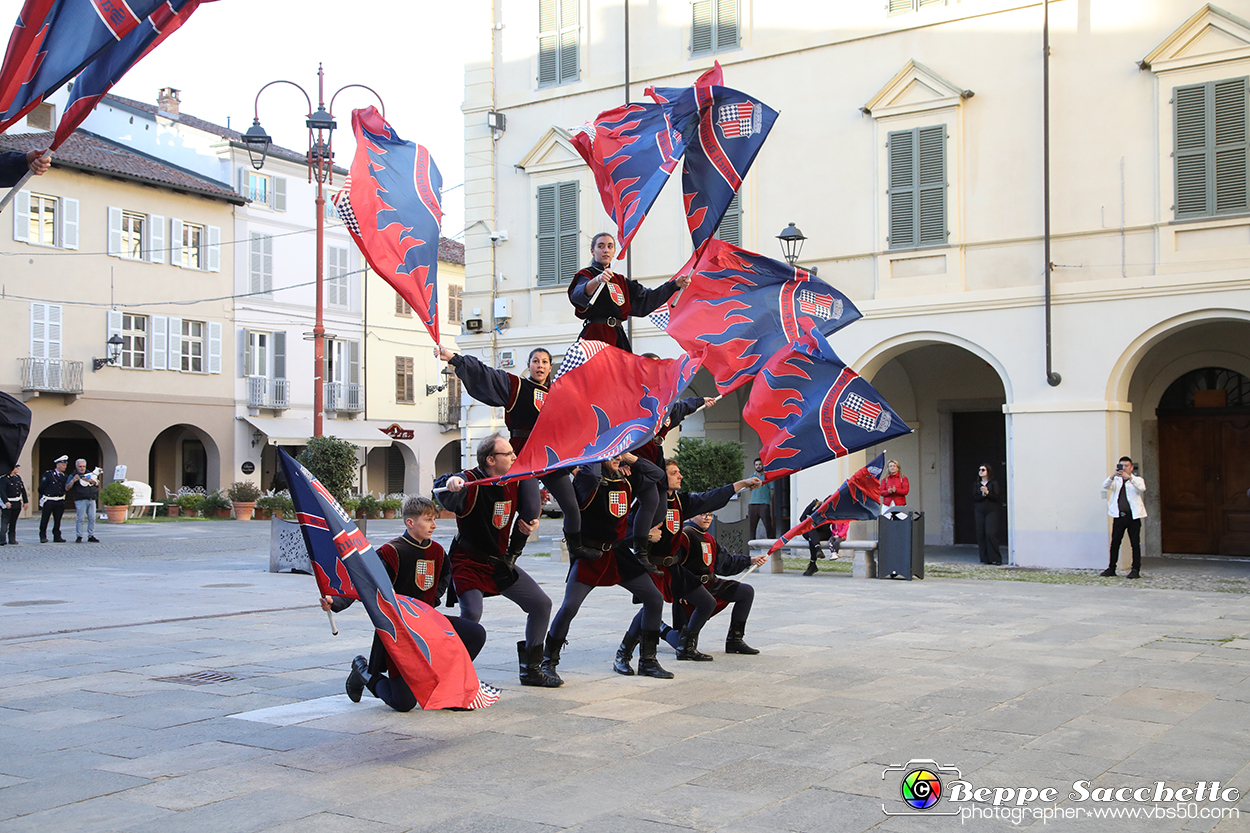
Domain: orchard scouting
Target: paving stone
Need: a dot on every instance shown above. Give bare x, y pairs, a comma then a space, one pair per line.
104, 814
71, 786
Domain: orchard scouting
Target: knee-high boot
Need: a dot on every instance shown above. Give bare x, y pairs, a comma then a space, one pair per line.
648, 665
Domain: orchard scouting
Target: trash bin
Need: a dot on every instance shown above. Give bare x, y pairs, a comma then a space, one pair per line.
900, 546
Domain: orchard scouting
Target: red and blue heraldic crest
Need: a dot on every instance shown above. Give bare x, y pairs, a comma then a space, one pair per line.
419, 640
858, 499
54, 40
604, 402
742, 308
391, 205
808, 407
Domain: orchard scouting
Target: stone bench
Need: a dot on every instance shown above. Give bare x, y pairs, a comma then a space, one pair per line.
863, 554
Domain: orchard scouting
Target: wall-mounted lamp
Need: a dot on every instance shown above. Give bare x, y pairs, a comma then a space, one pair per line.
430, 390
258, 437
114, 347
496, 121
791, 243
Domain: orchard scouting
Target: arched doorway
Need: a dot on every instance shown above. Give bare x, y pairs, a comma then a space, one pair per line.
182, 456
952, 393
392, 470
448, 459
1204, 463
77, 440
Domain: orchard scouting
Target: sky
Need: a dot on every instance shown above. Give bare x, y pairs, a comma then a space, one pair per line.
411, 52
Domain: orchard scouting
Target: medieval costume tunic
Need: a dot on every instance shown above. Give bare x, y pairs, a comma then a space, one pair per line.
521, 398
653, 450
702, 557
484, 518
615, 301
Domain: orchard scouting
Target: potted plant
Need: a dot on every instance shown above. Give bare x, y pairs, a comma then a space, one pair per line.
171, 508
243, 495
190, 504
349, 506
391, 505
368, 506
115, 497
216, 504
286, 509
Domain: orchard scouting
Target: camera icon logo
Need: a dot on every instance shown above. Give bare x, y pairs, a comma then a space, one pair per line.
920, 787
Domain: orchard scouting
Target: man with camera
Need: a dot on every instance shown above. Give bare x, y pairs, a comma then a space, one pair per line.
1124, 504
84, 488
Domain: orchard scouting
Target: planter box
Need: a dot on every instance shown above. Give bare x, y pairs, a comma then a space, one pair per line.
171, 511
191, 513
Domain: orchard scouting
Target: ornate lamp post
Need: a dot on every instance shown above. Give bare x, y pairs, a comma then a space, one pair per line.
791, 243
321, 125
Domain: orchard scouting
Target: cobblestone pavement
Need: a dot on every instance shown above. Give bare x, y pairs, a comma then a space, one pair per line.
1017, 685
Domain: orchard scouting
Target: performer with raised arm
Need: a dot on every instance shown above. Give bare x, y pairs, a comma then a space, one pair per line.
419, 569
482, 562
605, 491
663, 552
522, 398
604, 299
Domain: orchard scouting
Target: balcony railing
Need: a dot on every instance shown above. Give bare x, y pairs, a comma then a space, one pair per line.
263, 392
344, 396
53, 375
448, 411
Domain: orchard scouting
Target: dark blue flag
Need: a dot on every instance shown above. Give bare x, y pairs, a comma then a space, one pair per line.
808, 407
858, 499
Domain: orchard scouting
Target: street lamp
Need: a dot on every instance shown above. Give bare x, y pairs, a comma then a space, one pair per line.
321, 125
791, 243
114, 349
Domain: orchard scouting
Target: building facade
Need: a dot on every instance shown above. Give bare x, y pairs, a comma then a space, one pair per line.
910, 150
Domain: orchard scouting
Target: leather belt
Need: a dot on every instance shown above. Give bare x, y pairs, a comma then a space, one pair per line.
662, 560
611, 322
519, 434
705, 579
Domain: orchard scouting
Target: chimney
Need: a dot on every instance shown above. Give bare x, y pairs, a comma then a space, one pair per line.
167, 101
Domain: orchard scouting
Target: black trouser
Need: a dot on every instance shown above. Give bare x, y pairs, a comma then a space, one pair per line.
757, 512
1118, 527
815, 536
394, 691
987, 519
529, 499
53, 509
9, 528
575, 593
526, 594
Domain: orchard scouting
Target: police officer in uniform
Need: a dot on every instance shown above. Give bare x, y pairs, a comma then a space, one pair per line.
52, 499
481, 561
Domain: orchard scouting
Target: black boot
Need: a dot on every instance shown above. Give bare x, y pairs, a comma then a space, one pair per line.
811, 568
1109, 572
733, 640
688, 648
624, 654
358, 679
576, 550
642, 552
532, 672
648, 665
551, 657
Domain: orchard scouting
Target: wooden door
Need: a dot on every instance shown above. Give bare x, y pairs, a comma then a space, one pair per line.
1204, 471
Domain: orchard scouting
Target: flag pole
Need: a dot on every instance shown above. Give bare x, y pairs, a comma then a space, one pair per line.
334, 630
8, 198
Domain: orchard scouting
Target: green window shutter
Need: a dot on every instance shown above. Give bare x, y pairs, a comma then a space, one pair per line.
726, 25
568, 231
902, 189
548, 43
1230, 146
548, 236
1212, 146
568, 41
701, 35
1192, 109
730, 228
931, 142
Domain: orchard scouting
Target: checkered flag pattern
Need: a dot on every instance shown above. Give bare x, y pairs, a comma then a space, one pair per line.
660, 317
578, 354
863, 413
343, 204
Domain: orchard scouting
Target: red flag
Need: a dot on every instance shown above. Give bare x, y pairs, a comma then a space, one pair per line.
858, 499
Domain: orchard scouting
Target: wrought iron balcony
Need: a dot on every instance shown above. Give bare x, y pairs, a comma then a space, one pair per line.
51, 375
344, 396
448, 412
263, 392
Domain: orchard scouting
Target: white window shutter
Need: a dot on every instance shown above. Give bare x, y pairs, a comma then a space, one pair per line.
54, 331
156, 228
115, 231
268, 262
279, 193
279, 355
160, 342
38, 331
175, 343
244, 182
21, 216
353, 362
114, 324
214, 347
175, 241
214, 249
69, 224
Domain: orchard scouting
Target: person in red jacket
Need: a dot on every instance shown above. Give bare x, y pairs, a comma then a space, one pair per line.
894, 487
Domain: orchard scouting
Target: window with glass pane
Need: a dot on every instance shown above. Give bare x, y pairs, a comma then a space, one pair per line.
193, 346
192, 240
43, 219
258, 188
455, 306
134, 340
132, 234
256, 354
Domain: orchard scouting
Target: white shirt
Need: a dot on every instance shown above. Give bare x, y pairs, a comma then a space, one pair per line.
1136, 488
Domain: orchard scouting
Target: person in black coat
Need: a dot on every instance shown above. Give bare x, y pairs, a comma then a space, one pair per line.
988, 505
15, 163
13, 493
52, 500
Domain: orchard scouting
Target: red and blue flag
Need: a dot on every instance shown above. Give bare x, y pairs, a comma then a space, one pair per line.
391, 206
102, 73
419, 640
808, 407
742, 308
858, 499
54, 40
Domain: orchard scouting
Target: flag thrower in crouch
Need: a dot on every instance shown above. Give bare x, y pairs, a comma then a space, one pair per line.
808, 407
604, 402
391, 205
742, 308
418, 639
54, 40
858, 499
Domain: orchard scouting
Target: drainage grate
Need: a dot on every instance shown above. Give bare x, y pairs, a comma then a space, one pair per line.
200, 678
32, 602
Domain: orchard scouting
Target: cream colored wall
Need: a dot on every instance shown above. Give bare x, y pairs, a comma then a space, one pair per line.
125, 408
